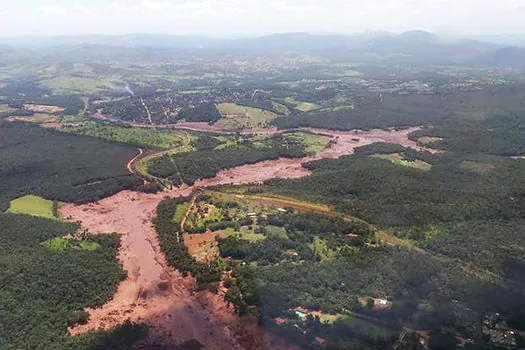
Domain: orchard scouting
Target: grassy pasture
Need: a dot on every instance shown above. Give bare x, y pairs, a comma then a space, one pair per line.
203, 246
427, 140
313, 143
79, 84
277, 231
477, 167
365, 328
32, 205
160, 139
61, 244
45, 120
235, 116
398, 159
43, 108
301, 106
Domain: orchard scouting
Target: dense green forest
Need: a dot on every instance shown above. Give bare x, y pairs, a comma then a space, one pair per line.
59, 166
458, 187
377, 110
46, 281
189, 167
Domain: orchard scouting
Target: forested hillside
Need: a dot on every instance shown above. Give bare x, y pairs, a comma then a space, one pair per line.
60, 166
47, 281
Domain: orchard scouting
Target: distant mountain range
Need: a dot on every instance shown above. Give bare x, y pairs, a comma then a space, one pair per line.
412, 47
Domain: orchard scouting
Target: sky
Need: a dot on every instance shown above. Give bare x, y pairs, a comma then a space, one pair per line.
237, 18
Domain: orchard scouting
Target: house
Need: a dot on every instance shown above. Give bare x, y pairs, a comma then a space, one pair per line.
282, 210
280, 320
380, 304
320, 340
301, 313
352, 235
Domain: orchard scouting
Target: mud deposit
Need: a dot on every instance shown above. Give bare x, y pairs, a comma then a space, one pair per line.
156, 293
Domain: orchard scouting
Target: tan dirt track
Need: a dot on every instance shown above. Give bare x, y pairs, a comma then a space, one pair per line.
156, 293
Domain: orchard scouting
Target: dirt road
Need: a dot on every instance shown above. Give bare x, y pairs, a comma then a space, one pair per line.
157, 294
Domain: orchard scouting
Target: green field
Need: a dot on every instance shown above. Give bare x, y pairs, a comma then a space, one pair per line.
277, 232
32, 205
427, 140
62, 244
301, 106
398, 159
141, 137
365, 328
235, 116
477, 167
88, 85
313, 143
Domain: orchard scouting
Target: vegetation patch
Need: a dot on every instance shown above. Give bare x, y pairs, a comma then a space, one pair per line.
61, 166
62, 244
477, 167
35, 206
240, 117
151, 138
313, 143
205, 163
399, 159
46, 286
43, 119
428, 140
78, 84
43, 108
301, 106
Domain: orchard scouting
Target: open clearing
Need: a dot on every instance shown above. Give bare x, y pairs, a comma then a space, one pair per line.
301, 106
4, 108
43, 108
398, 159
62, 244
427, 140
239, 117
32, 205
477, 167
203, 246
80, 84
163, 139
43, 119
313, 143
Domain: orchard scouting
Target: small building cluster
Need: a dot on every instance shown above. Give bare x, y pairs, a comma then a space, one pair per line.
497, 330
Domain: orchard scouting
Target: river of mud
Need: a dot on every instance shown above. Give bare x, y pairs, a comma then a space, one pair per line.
157, 294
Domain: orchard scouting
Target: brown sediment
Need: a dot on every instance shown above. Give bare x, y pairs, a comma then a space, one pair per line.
156, 293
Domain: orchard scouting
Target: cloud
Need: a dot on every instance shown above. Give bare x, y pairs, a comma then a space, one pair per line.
51, 10
80, 8
239, 17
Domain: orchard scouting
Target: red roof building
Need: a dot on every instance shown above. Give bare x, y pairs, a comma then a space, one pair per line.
320, 340
280, 320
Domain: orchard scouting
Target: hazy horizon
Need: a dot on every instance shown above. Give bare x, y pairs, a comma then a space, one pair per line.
241, 18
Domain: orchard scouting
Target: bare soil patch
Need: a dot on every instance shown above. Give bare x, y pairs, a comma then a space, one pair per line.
43, 108
45, 120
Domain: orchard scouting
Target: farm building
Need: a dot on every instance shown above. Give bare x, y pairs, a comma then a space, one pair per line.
320, 340
280, 320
